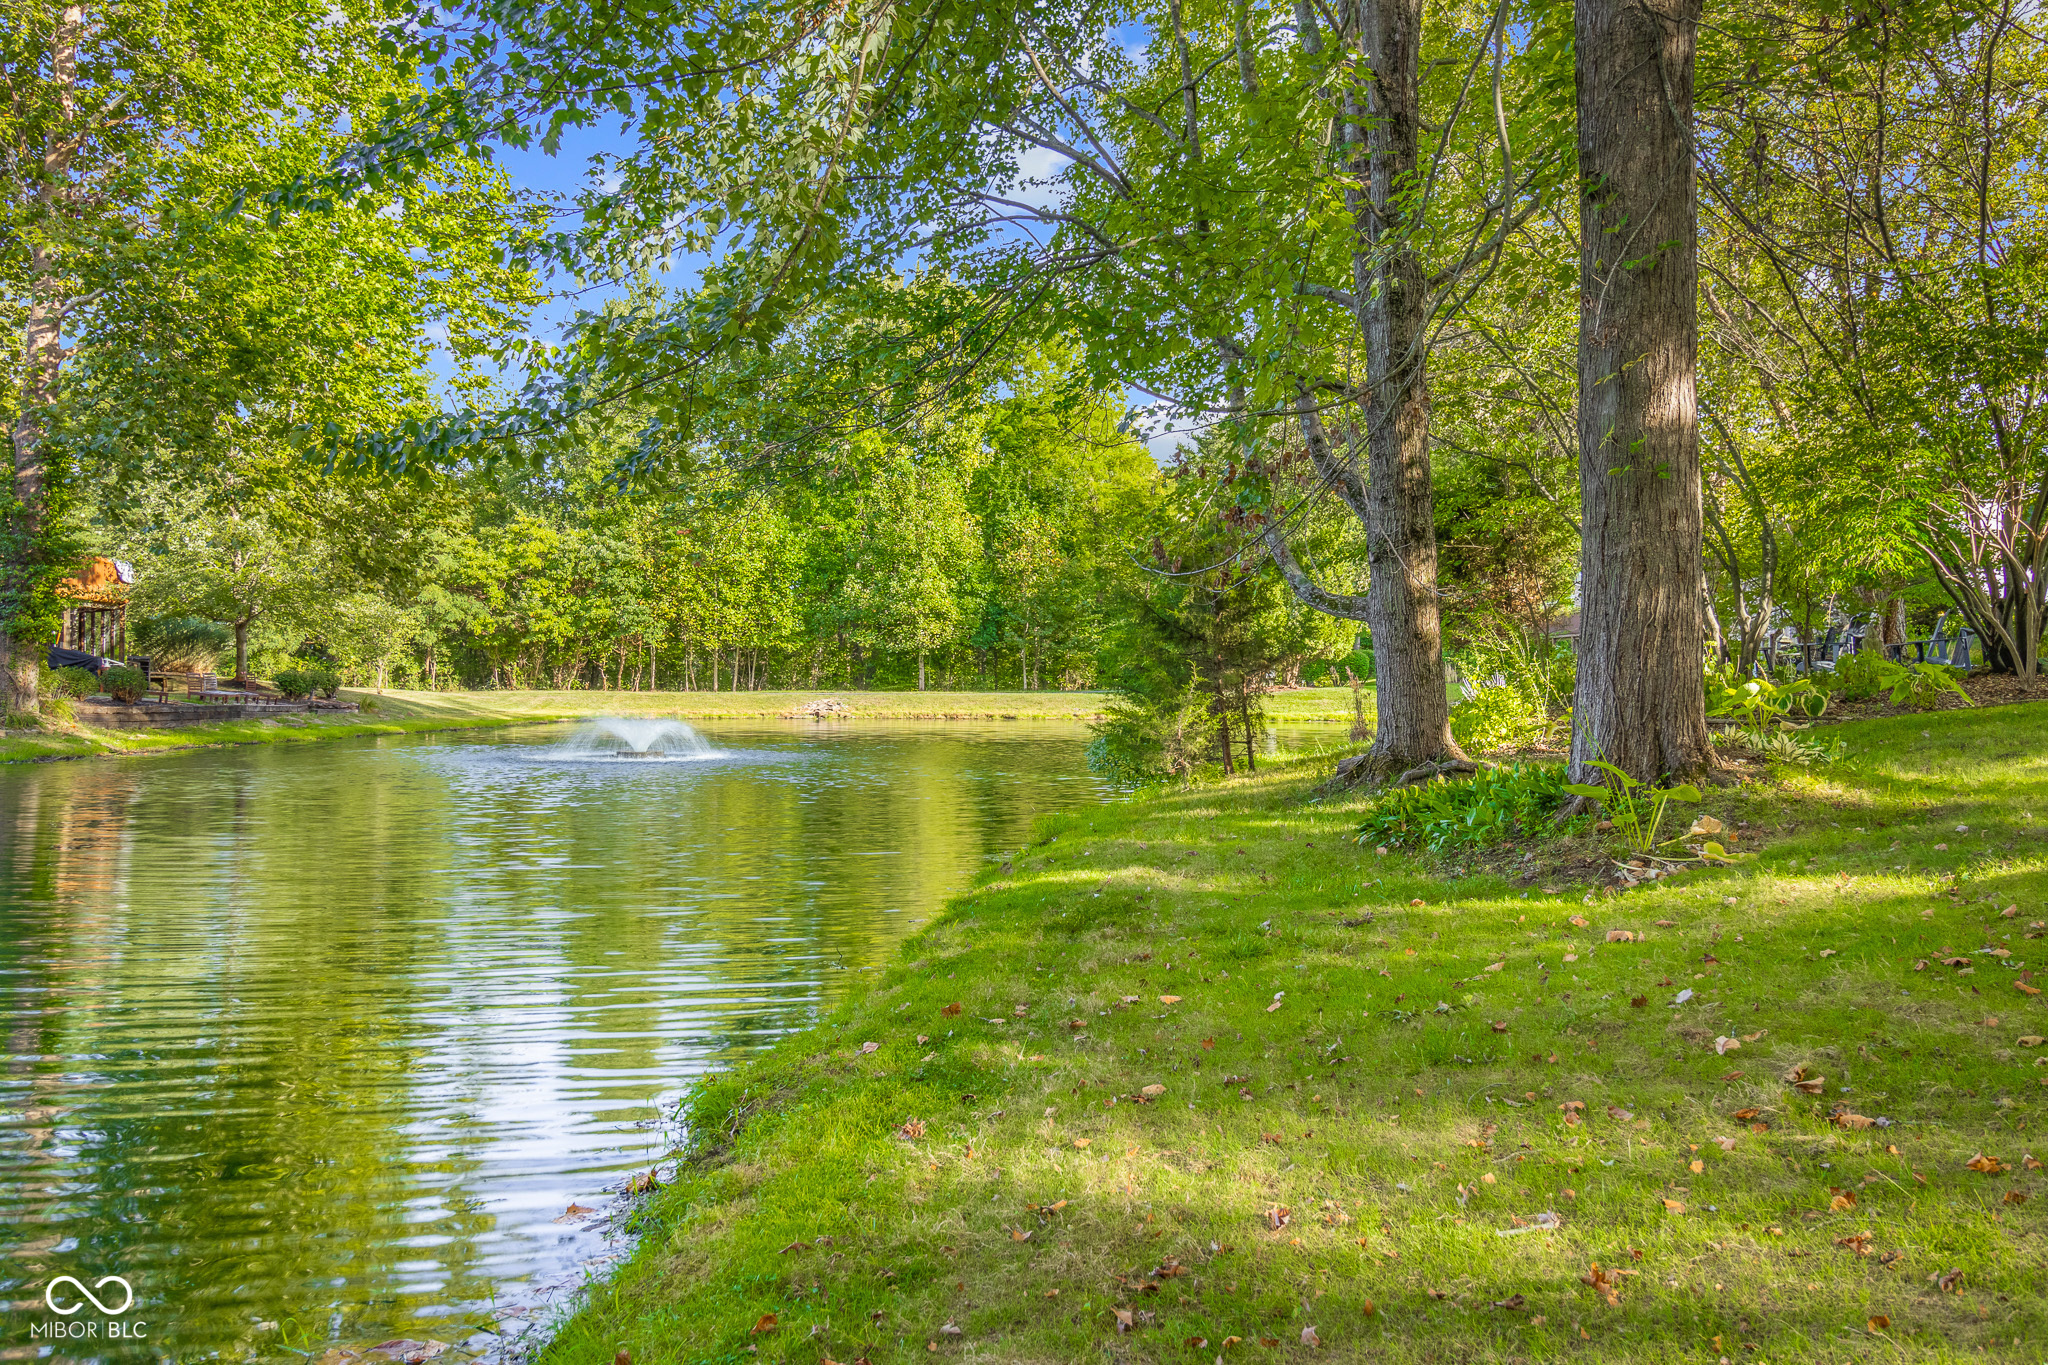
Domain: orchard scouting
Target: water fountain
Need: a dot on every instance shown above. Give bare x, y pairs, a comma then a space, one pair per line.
624, 737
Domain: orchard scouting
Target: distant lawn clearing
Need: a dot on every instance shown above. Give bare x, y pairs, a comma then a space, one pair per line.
399, 712
1195, 1076
1304, 704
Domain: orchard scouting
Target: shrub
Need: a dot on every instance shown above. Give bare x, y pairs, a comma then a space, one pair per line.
1503, 716
1858, 677
71, 682
124, 683
1142, 741
312, 680
1489, 807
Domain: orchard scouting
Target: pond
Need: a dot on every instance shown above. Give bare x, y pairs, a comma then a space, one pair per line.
318, 1044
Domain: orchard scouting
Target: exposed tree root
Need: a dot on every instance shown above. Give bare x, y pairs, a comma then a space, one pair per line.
1422, 772
1368, 768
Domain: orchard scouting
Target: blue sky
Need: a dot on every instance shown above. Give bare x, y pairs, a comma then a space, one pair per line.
556, 180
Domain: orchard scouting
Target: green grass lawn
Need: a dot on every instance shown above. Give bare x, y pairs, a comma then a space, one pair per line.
1195, 1077
27, 746
1304, 704
397, 712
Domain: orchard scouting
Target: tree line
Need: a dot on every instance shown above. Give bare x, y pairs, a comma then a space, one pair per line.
1484, 313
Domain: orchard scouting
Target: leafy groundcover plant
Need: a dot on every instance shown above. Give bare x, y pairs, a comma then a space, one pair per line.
1489, 807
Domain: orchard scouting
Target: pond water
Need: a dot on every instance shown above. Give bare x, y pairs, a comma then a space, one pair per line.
317, 1044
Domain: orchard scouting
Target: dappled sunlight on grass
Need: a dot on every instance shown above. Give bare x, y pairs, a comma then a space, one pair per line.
1375, 1080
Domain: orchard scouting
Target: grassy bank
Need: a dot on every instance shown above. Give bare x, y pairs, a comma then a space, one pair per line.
1303, 705
1196, 1076
85, 741
401, 712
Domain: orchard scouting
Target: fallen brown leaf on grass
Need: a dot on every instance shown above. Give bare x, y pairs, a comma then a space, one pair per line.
1843, 1201
1845, 1119
1639, 1002
951, 1009
1950, 1283
2015, 1197
1153, 1092
1124, 1319
1858, 1243
766, 1324
1989, 1165
1309, 1337
1727, 1143
911, 1128
1208, 1045
1083, 1142
1278, 1217
1169, 1000
1604, 1283
1675, 1205
1621, 936
2030, 1162
1511, 1302
1878, 1323
1803, 1083
1197, 1342
1500, 1026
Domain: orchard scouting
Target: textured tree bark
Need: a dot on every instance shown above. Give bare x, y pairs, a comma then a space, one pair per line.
1393, 500
1640, 704
242, 650
42, 354
1393, 300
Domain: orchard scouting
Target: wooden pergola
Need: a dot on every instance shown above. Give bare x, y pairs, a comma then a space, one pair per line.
96, 609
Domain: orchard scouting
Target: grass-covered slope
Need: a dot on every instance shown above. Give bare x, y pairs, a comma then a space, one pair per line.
1301, 704
1196, 1076
81, 741
396, 712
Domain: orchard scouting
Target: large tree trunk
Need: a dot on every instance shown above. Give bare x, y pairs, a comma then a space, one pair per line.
242, 650
1401, 596
1640, 704
23, 573
1394, 499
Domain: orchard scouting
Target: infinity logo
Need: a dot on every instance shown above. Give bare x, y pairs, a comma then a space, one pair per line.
50, 1296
